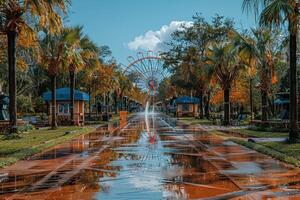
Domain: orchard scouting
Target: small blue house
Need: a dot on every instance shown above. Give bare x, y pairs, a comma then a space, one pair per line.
187, 106
63, 105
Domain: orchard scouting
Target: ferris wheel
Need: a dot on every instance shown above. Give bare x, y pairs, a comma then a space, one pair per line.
147, 70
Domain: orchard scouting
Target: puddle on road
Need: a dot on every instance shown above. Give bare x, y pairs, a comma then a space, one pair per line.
135, 164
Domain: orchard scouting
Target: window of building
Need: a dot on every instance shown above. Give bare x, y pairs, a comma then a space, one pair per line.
64, 108
185, 107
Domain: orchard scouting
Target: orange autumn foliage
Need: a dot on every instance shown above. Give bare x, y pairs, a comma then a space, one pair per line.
274, 78
239, 93
105, 78
27, 48
137, 94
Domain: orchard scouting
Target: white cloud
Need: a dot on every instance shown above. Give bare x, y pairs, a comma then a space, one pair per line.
155, 40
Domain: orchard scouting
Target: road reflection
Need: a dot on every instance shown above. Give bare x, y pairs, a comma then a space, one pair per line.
149, 159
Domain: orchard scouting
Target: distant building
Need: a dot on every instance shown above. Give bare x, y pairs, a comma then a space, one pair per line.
187, 106
63, 105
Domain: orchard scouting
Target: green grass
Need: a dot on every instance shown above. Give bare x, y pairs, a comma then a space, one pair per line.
283, 151
260, 134
194, 121
36, 141
292, 150
288, 153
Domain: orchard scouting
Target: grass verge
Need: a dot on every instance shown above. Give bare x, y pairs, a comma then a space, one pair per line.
259, 134
36, 141
194, 121
283, 155
282, 151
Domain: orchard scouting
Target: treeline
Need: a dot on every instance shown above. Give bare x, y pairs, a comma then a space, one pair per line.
223, 65
39, 53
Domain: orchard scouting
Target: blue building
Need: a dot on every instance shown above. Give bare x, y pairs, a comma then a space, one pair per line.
187, 106
63, 105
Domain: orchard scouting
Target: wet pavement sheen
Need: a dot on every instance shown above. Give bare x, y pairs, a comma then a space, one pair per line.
149, 158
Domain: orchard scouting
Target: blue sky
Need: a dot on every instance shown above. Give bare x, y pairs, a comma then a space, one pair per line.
117, 23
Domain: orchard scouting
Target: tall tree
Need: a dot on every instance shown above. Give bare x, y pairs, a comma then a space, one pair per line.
262, 51
124, 84
16, 18
81, 53
276, 13
224, 58
53, 50
190, 43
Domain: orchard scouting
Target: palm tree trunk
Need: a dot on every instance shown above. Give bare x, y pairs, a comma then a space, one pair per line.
227, 106
72, 100
251, 98
53, 108
201, 105
264, 106
116, 103
90, 102
207, 105
11, 41
293, 133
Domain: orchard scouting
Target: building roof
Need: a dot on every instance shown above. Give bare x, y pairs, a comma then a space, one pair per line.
63, 94
187, 100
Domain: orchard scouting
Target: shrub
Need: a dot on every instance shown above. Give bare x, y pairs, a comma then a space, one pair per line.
24, 104
264, 128
25, 128
39, 104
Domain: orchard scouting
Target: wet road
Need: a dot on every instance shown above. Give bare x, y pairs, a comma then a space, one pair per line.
149, 158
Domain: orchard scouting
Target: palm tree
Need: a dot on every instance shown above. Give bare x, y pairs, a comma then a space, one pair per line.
261, 52
276, 13
82, 52
224, 59
72, 60
16, 19
52, 52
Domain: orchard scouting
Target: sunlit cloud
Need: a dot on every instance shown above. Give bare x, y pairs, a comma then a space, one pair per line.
156, 40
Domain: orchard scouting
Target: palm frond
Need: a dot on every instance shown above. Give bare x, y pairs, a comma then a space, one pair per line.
255, 5
276, 13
